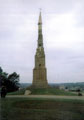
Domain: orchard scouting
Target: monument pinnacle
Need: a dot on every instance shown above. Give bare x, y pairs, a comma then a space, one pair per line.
40, 36
40, 19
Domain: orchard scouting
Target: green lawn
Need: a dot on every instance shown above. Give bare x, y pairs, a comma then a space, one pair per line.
51, 91
19, 92
44, 91
41, 109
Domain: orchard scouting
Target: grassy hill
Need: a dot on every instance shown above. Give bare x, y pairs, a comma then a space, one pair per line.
44, 91
50, 91
41, 109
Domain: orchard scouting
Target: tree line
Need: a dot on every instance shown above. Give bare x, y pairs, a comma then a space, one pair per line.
9, 81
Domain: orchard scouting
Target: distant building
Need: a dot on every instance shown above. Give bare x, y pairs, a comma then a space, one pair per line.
62, 87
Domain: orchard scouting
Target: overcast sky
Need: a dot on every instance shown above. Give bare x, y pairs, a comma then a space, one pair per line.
63, 37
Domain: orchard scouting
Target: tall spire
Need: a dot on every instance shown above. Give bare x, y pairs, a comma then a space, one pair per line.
39, 71
40, 36
40, 18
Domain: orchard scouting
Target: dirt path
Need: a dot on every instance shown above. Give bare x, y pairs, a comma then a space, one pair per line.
47, 96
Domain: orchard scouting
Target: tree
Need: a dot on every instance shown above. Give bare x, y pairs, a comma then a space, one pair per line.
0, 76
13, 83
10, 81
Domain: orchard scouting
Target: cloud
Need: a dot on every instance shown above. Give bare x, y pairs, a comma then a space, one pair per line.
63, 35
79, 13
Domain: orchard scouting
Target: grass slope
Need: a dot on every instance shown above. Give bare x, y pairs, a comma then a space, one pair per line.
44, 91
19, 92
50, 91
41, 109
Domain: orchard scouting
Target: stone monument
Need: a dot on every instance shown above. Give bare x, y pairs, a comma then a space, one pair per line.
40, 71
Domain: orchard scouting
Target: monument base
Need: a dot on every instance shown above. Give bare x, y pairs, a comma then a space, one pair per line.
39, 78
39, 86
